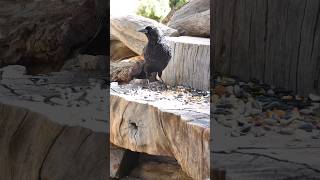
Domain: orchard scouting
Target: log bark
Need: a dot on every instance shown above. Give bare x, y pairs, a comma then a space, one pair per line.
190, 62
274, 41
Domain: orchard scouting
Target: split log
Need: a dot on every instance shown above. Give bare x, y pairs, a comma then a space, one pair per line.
190, 62
160, 124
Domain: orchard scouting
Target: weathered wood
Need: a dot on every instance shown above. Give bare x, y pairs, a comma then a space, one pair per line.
160, 124
192, 19
125, 28
190, 62
272, 156
274, 41
46, 127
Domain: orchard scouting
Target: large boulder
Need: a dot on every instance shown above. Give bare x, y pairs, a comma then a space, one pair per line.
125, 28
193, 19
44, 32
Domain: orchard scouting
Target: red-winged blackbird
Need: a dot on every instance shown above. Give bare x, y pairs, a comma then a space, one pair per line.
157, 53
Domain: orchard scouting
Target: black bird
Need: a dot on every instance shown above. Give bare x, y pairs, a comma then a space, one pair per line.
97, 45
157, 53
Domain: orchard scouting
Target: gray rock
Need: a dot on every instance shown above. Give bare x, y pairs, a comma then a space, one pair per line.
271, 122
314, 97
308, 127
270, 92
12, 71
245, 129
286, 131
258, 132
229, 89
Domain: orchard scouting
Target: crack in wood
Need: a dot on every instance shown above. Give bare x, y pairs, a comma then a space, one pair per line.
265, 38
122, 119
232, 32
267, 156
49, 149
20, 124
10, 89
82, 142
315, 29
299, 47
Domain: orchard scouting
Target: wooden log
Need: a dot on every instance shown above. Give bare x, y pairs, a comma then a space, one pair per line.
274, 41
190, 62
48, 128
273, 156
159, 124
192, 19
125, 28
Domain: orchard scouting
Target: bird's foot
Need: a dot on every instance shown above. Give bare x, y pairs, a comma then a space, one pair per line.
148, 83
160, 80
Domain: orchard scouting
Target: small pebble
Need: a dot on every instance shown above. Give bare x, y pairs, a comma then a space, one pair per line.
258, 132
235, 134
271, 122
270, 92
314, 97
286, 131
308, 127
219, 90
245, 129
315, 135
306, 111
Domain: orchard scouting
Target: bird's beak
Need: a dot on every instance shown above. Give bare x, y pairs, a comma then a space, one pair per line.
143, 31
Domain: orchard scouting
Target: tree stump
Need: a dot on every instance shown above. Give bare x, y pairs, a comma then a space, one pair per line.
274, 41
190, 62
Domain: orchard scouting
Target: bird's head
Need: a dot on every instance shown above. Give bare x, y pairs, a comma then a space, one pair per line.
151, 32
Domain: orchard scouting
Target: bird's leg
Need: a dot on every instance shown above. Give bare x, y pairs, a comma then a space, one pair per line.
160, 74
161, 80
148, 82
